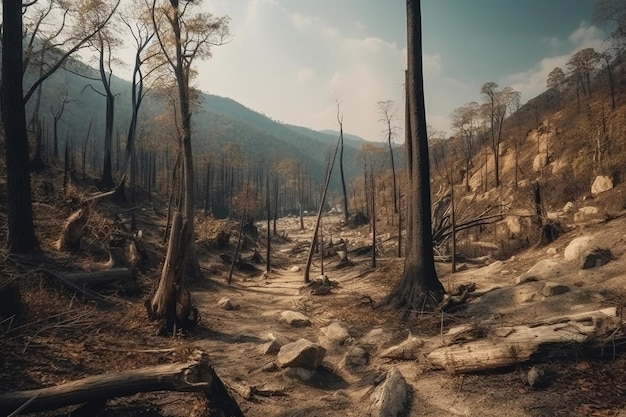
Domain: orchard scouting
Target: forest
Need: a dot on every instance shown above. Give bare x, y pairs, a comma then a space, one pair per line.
169, 252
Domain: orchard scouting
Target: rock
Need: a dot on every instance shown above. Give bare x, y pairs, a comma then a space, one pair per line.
569, 207
273, 346
390, 397
553, 288
538, 377
300, 373
577, 247
544, 269
551, 251
406, 350
270, 367
375, 337
462, 267
294, 269
540, 162
334, 335
228, 304
586, 212
301, 353
295, 319
596, 258
601, 184
355, 358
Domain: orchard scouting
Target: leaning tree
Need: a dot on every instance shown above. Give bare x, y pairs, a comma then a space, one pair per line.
419, 287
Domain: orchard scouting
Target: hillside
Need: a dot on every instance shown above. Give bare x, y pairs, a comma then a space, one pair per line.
218, 122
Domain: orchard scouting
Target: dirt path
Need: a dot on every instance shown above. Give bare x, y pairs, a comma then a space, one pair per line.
236, 337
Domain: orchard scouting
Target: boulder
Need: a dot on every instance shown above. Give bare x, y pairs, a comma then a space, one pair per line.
273, 346
585, 213
390, 397
300, 354
601, 184
542, 270
540, 162
295, 319
578, 247
334, 335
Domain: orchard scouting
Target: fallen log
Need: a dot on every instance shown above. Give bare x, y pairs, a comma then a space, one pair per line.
193, 376
98, 278
506, 346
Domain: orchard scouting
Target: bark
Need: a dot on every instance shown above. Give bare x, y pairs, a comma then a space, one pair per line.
506, 346
19, 204
419, 287
307, 269
99, 278
193, 376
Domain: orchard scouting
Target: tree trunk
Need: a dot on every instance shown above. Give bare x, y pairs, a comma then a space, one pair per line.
307, 269
193, 376
506, 346
346, 215
19, 204
419, 287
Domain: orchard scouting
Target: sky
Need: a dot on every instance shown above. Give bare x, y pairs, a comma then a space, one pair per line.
293, 60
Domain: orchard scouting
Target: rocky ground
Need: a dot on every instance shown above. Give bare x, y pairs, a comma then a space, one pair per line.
353, 347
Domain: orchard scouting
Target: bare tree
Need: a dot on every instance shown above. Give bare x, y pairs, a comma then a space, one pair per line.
419, 287
346, 215
182, 38
500, 103
388, 112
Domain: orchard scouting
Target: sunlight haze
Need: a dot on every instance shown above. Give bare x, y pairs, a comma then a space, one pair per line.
292, 59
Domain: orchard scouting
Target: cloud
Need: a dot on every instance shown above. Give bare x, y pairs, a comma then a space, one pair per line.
587, 36
532, 82
305, 74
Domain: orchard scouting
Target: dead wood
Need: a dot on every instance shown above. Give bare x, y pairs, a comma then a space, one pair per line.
73, 230
193, 376
97, 279
505, 346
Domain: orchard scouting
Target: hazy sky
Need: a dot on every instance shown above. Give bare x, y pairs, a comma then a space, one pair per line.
291, 59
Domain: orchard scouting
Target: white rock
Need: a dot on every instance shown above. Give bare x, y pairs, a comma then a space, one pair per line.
601, 184
578, 246
389, 398
295, 319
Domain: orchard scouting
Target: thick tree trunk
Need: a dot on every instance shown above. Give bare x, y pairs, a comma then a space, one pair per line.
19, 204
193, 376
419, 287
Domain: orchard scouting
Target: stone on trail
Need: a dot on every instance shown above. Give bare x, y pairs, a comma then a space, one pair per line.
300, 354
294, 269
552, 288
356, 358
295, 319
228, 304
334, 335
273, 346
390, 397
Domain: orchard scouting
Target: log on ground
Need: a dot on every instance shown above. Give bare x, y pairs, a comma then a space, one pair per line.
195, 375
506, 346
